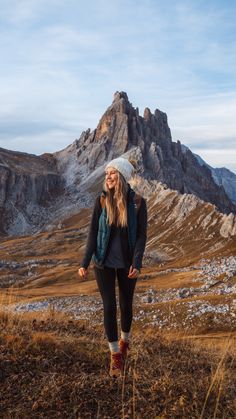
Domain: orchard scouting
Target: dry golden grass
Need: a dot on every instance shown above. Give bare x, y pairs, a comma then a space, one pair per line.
169, 279
52, 366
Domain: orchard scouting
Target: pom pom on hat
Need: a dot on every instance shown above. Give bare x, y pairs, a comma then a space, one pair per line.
123, 166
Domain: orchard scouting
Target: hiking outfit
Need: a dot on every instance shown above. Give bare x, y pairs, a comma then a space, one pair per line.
113, 249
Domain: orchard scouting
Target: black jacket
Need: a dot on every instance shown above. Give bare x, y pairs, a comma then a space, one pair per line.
134, 259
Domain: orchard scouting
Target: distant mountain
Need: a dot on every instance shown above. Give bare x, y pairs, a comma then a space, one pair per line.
39, 192
121, 128
222, 176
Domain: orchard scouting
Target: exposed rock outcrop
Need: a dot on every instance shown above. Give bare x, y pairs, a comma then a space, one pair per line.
121, 128
182, 218
27, 184
38, 191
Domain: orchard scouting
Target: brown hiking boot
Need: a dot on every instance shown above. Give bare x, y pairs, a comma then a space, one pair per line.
116, 365
123, 346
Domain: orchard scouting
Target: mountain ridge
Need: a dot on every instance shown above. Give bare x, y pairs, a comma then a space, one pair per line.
38, 191
221, 175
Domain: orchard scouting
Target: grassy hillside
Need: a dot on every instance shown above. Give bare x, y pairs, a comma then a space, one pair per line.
55, 367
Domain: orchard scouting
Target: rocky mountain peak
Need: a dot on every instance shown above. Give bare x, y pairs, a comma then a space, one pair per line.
115, 117
121, 129
120, 95
147, 114
36, 189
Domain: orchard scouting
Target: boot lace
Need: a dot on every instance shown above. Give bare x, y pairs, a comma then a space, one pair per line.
116, 361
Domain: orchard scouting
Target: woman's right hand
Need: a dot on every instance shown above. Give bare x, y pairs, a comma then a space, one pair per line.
83, 272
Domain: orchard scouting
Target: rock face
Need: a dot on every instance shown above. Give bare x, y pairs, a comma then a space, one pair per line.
221, 176
27, 184
121, 128
227, 179
183, 219
38, 191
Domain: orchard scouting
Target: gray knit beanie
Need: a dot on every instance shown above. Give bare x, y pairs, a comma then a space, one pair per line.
123, 166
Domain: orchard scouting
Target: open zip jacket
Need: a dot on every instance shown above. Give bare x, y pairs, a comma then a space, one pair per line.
133, 236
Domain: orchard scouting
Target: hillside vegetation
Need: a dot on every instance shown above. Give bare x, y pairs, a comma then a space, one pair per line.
55, 367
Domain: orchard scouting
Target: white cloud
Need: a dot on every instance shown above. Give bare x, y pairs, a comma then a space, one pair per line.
209, 119
64, 60
18, 11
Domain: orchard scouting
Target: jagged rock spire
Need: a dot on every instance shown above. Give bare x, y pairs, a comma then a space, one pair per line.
121, 129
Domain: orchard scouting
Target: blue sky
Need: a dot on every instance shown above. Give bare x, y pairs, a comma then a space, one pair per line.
62, 61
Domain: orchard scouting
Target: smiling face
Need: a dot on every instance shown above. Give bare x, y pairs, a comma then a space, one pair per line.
111, 177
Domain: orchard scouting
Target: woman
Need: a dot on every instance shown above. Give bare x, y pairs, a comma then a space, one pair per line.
116, 243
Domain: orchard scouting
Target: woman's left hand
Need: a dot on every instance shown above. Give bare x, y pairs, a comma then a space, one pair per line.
133, 272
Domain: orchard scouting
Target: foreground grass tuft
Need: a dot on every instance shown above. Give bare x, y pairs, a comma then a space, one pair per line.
54, 367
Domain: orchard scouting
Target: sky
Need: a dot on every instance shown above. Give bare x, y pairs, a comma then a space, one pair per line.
63, 60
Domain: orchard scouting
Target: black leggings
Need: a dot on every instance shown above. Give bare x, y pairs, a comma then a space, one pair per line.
106, 280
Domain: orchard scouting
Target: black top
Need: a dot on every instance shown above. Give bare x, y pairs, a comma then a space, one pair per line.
114, 256
136, 259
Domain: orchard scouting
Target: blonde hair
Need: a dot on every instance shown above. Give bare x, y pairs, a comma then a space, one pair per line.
116, 202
